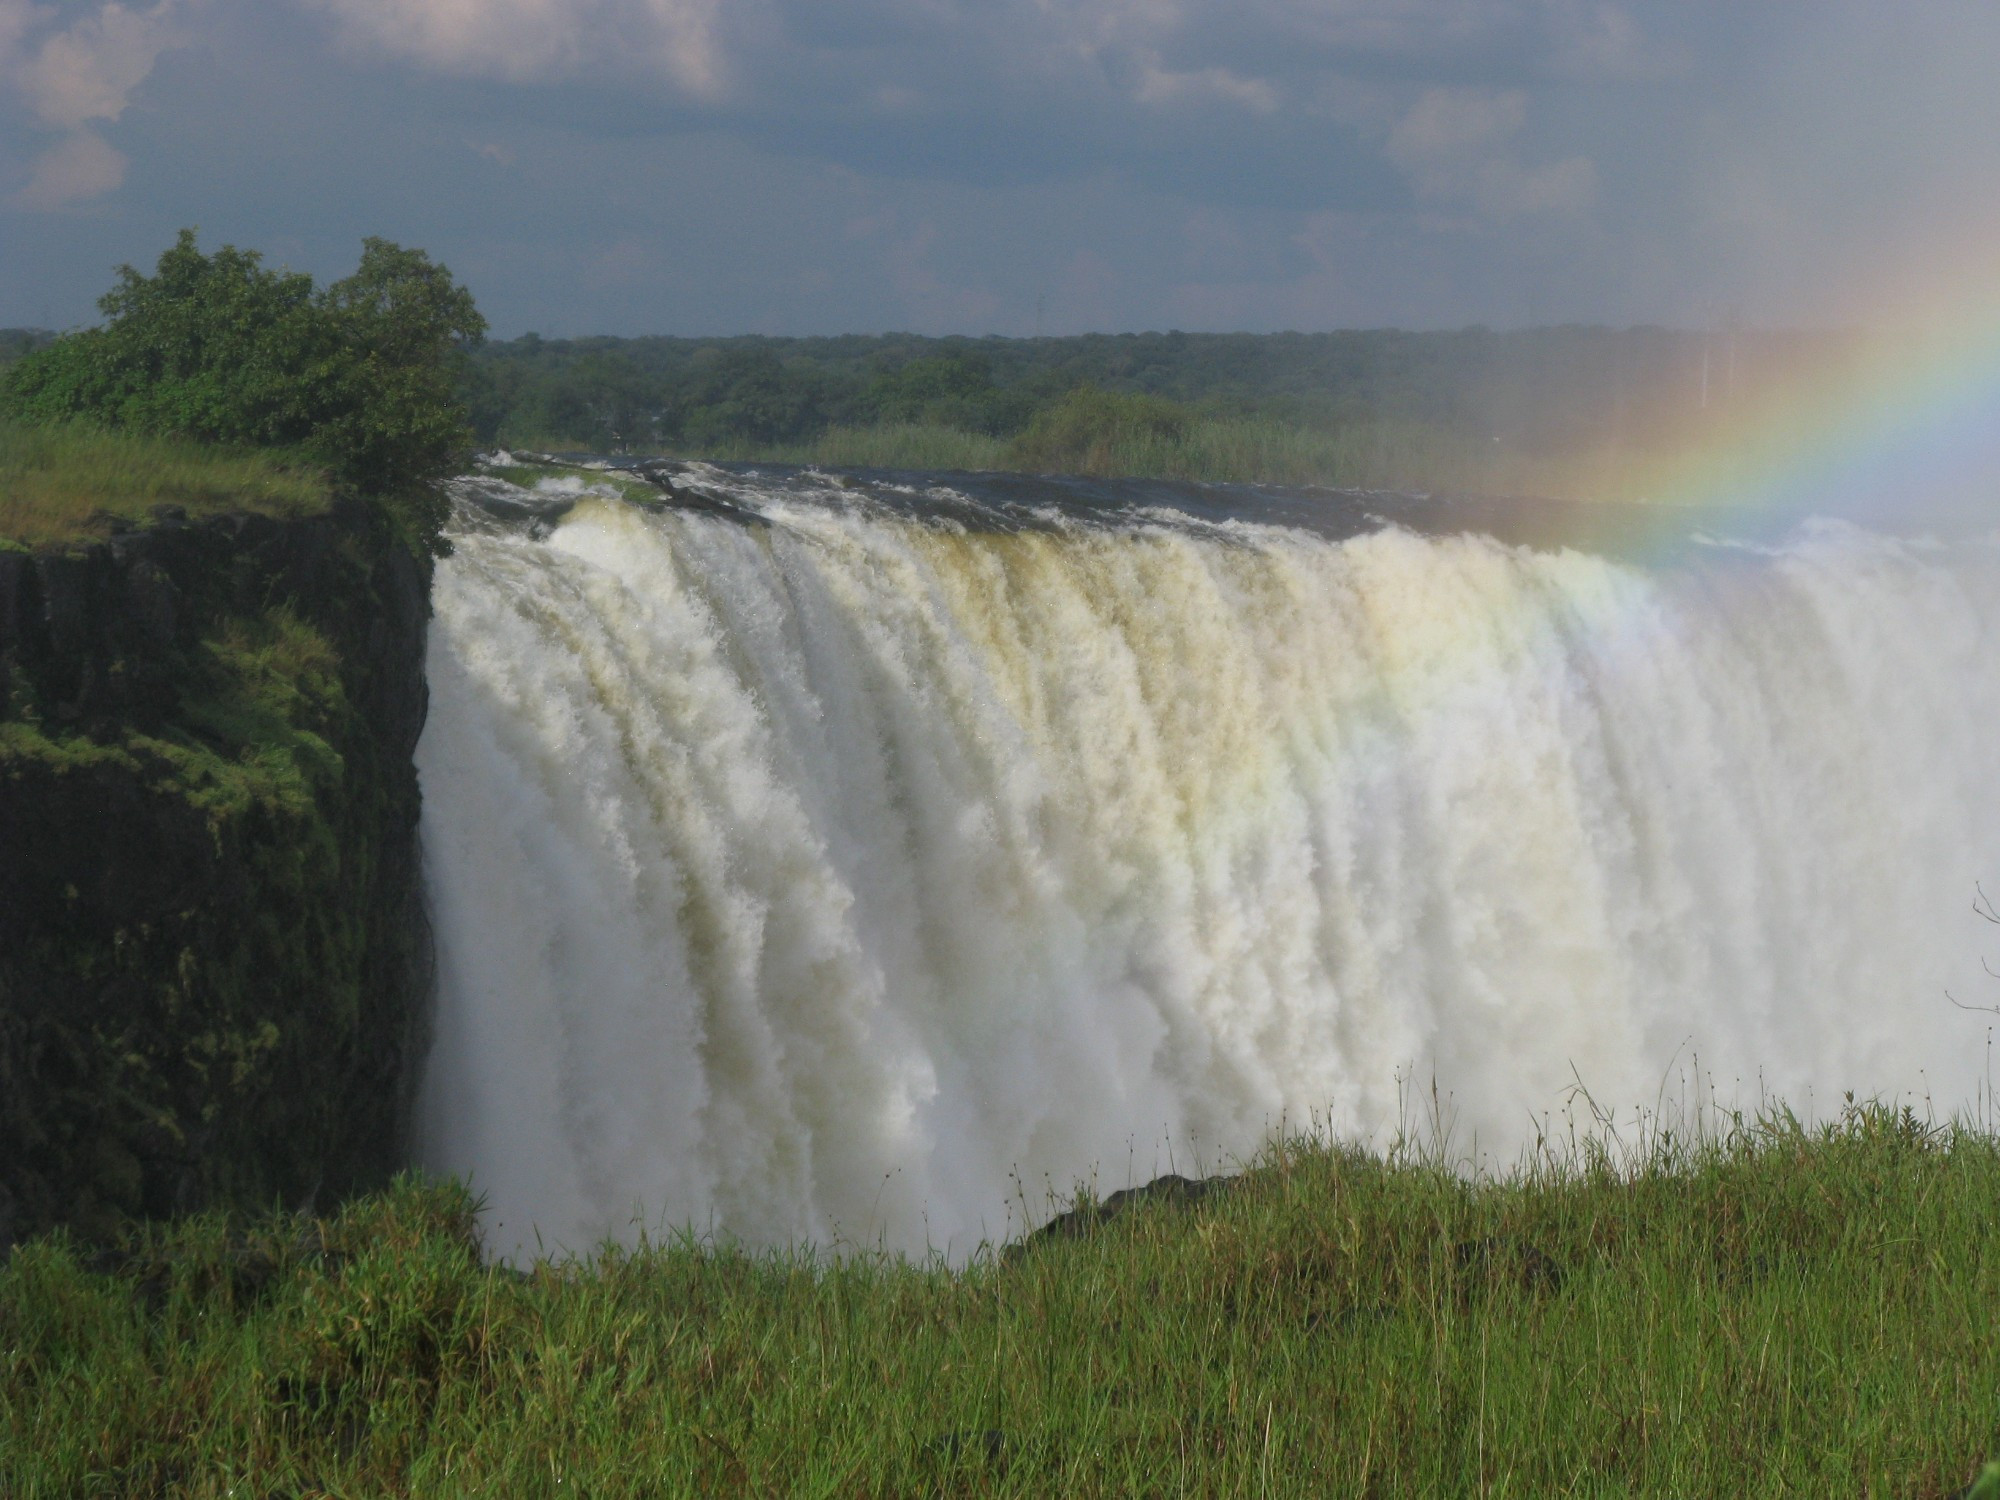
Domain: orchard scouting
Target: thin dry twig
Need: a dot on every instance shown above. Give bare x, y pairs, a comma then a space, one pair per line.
1991, 1010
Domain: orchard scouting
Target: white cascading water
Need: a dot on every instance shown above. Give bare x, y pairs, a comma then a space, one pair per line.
862, 877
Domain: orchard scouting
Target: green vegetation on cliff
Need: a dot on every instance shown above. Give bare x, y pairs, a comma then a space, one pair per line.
216, 519
1778, 1311
212, 953
357, 378
67, 482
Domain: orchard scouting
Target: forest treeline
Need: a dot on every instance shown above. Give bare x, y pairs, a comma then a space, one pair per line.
1574, 410
1543, 390
1540, 390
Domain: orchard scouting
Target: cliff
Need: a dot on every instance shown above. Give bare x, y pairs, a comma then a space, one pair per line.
214, 959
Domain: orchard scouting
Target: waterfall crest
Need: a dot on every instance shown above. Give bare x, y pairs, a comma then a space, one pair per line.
863, 875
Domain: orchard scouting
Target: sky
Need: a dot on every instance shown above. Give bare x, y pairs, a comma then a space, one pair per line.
1019, 166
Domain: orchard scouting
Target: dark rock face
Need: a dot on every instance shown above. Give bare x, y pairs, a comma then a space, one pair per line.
1076, 1223
214, 957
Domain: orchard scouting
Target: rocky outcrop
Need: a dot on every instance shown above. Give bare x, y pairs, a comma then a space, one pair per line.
1087, 1217
214, 961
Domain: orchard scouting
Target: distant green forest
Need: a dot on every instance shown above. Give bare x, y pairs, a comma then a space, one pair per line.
1556, 410
1542, 388
1577, 411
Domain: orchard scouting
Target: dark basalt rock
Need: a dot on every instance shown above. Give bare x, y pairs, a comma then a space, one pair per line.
503, 507
680, 492
1077, 1222
682, 485
214, 955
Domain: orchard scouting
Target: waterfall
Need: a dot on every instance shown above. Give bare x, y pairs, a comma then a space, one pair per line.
863, 876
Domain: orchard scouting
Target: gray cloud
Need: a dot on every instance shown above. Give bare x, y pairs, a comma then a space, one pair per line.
1007, 164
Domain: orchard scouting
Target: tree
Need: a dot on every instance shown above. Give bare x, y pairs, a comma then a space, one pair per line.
359, 377
953, 389
1088, 431
745, 393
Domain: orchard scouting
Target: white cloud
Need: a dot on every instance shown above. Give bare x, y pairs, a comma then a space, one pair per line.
87, 71
15, 18
79, 166
1456, 146
1560, 187
1097, 24
1588, 39
529, 39
1161, 85
1450, 133
75, 76
1150, 49
1391, 26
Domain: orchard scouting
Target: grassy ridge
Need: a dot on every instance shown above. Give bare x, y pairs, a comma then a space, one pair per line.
60, 482
1776, 1311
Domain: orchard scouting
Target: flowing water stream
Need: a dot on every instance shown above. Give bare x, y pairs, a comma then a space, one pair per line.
863, 866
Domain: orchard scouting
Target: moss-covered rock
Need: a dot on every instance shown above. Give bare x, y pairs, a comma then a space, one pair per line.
213, 953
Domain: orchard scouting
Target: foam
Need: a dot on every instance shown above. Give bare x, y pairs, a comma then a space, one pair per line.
857, 879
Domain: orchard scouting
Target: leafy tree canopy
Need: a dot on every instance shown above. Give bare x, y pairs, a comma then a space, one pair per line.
360, 376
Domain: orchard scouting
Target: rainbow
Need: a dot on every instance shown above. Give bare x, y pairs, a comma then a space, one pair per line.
1905, 428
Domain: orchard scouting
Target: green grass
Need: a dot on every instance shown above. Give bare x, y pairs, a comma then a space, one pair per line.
59, 483
1777, 1310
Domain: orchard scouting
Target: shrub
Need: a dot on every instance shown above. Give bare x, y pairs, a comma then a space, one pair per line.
1093, 431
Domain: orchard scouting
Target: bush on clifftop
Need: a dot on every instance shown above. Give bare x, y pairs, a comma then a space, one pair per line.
358, 376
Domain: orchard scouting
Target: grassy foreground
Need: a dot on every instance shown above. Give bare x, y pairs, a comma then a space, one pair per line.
1781, 1310
60, 482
